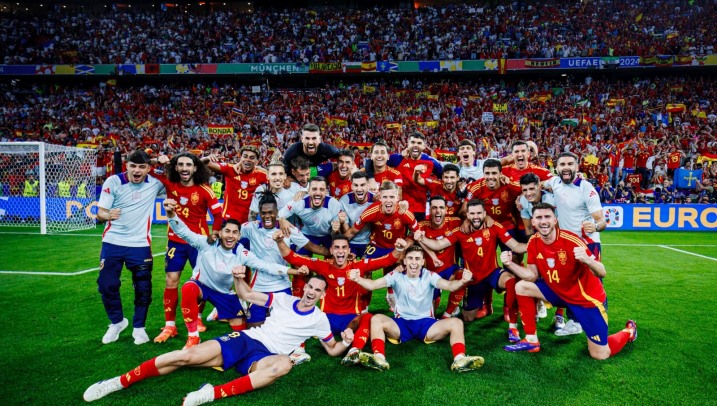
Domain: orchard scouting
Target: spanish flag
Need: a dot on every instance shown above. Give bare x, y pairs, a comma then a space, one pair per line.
393, 126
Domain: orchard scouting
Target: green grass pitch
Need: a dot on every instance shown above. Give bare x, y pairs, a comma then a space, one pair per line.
52, 326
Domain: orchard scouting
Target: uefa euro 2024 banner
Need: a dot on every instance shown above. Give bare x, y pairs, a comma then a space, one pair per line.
629, 217
661, 217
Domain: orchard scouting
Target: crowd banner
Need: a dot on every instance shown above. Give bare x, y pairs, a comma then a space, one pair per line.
661, 217
498, 66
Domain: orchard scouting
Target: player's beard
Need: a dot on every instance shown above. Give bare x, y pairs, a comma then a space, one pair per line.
563, 174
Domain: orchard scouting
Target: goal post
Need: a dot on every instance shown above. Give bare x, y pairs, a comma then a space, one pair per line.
48, 187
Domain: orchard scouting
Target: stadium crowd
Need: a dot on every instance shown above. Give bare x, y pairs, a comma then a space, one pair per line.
607, 123
549, 29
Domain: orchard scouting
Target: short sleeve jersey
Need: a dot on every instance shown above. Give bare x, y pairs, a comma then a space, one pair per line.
353, 210
193, 202
287, 327
498, 203
453, 203
567, 277
343, 296
317, 221
414, 296
447, 255
479, 249
240, 189
386, 228
132, 228
575, 202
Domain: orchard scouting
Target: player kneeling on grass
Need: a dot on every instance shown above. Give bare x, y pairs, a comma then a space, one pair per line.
414, 314
212, 276
260, 353
570, 278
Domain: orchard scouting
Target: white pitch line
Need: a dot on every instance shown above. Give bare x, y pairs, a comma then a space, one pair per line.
687, 252
68, 234
61, 273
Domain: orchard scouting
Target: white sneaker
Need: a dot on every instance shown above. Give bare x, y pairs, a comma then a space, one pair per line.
571, 327
391, 299
140, 336
213, 315
299, 356
205, 394
102, 389
114, 331
542, 311
453, 314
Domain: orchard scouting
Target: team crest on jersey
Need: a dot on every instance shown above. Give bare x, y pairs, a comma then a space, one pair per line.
562, 257
244, 184
479, 241
551, 262
252, 181
183, 200
450, 203
387, 226
486, 234
504, 195
495, 201
397, 223
341, 280
195, 198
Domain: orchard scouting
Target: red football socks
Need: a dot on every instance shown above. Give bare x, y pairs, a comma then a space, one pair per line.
378, 346
455, 298
146, 370
190, 308
617, 341
458, 349
233, 388
171, 296
240, 327
362, 331
511, 300
526, 304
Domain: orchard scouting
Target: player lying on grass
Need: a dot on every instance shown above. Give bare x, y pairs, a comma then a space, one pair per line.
414, 317
569, 275
260, 354
212, 276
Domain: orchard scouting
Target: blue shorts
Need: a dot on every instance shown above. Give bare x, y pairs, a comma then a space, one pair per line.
516, 234
445, 274
376, 252
596, 249
339, 322
177, 256
592, 319
227, 304
357, 249
476, 292
413, 329
240, 351
257, 314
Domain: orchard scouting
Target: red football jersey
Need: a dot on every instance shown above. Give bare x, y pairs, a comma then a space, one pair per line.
337, 186
343, 296
673, 160
479, 249
414, 193
389, 174
512, 172
387, 228
239, 191
453, 203
499, 203
447, 255
192, 205
567, 277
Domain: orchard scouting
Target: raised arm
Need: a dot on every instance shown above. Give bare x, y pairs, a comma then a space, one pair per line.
435, 245
454, 284
244, 291
596, 267
195, 240
368, 284
334, 347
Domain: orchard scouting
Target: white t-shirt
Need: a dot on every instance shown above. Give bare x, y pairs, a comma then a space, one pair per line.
414, 296
575, 202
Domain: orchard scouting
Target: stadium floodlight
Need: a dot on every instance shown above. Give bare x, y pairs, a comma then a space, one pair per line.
47, 186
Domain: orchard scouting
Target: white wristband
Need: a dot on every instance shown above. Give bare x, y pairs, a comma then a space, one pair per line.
400, 249
345, 343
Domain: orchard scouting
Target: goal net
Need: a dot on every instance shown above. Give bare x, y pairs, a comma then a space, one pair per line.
48, 187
